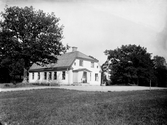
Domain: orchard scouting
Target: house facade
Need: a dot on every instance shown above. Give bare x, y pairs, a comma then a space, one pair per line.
71, 68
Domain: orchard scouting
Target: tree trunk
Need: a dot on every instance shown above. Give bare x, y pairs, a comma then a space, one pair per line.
25, 76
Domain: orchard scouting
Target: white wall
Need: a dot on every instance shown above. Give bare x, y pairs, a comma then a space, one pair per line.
94, 70
75, 77
68, 77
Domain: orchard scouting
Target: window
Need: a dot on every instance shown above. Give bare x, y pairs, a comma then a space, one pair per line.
96, 77
80, 62
55, 75
74, 63
92, 64
38, 75
50, 75
63, 75
33, 75
45, 75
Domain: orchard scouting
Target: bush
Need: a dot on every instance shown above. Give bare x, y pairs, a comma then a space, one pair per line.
7, 85
46, 84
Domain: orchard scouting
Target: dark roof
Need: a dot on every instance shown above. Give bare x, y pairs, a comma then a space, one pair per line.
65, 60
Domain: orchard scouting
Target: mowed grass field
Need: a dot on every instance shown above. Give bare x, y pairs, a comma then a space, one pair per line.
69, 107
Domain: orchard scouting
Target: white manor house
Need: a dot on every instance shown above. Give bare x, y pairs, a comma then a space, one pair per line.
71, 68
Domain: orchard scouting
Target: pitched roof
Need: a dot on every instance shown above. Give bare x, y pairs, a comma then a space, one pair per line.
65, 60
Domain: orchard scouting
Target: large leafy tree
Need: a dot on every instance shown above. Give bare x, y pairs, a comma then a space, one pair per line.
130, 64
30, 36
160, 70
159, 61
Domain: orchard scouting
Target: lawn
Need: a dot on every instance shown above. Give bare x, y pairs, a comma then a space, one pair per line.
69, 107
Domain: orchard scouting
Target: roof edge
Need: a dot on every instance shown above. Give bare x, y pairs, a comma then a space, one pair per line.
92, 60
50, 69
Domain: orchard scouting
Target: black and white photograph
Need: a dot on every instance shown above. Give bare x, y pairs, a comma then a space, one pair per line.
83, 62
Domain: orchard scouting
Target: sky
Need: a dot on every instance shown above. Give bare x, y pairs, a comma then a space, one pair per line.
98, 25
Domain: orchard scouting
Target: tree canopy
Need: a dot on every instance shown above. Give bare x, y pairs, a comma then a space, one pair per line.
30, 36
160, 71
130, 64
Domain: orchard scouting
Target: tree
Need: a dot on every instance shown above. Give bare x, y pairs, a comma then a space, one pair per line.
130, 64
160, 71
30, 36
159, 61
11, 68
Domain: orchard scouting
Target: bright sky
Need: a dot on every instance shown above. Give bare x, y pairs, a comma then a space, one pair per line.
96, 25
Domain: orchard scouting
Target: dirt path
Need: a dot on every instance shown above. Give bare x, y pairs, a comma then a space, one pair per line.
110, 88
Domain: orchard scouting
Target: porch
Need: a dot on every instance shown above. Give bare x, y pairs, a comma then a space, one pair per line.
82, 76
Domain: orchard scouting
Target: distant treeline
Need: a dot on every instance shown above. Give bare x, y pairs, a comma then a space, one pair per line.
133, 65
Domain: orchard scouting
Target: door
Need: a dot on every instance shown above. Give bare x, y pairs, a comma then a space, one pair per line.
75, 77
84, 77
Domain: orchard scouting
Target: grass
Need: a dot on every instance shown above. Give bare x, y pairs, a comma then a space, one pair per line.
69, 107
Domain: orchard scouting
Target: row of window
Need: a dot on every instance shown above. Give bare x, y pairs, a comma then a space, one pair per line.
81, 63
50, 75
55, 76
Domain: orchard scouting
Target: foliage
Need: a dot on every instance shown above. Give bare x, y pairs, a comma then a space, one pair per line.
130, 64
160, 70
4, 75
159, 61
28, 36
11, 68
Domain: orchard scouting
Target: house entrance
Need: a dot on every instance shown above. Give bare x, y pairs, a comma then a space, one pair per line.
81, 75
84, 77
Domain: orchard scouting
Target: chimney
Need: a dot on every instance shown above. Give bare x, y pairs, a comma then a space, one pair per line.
74, 49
